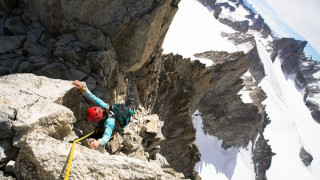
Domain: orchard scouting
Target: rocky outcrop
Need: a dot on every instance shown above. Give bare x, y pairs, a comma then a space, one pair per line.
259, 24
310, 81
262, 156
256, 66
240, 26
166, 86
30, 103
219, 9
40, 113
291, 52
224, 113
306, 157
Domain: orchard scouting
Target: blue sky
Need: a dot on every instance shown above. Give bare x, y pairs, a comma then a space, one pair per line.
298, 19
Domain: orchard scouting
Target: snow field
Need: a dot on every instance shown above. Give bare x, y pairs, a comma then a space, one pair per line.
195, 30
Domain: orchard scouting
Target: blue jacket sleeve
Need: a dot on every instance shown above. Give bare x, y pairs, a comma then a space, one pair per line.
95, 99
109, 126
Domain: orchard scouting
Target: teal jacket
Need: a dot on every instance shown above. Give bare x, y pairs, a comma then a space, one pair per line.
110, 122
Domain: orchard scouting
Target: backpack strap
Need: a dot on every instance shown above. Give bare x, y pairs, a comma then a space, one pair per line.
123, 111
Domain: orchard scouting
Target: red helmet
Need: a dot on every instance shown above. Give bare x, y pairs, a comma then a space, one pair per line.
94, 114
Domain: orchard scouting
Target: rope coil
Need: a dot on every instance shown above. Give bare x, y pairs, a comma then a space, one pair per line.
66, 177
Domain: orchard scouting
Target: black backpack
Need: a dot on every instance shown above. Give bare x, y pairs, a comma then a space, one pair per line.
121, 112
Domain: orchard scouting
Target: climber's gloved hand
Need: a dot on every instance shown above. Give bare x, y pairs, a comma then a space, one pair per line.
94, 144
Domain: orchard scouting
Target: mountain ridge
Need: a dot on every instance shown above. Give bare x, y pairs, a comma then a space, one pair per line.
120, 59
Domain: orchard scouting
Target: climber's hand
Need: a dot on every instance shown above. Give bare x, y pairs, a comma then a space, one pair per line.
77, 84
94, 144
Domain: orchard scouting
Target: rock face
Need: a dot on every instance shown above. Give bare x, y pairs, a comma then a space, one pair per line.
262, 156
224, 113
135, 28
39, 110
308, 77
175, 87
76, 40
290, 51
256, 66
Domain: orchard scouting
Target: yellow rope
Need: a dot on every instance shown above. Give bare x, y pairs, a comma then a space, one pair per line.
71, 154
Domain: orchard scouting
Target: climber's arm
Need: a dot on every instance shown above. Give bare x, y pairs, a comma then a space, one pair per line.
109, 126
87, 93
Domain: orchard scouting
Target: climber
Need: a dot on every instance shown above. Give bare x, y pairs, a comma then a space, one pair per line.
100, 112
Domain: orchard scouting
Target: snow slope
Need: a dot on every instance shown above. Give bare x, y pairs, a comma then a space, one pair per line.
195, 30
218, 163
292, 125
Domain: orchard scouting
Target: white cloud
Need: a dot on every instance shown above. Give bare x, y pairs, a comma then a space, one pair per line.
301, 16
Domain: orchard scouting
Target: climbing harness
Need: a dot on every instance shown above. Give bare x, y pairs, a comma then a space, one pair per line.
66, 177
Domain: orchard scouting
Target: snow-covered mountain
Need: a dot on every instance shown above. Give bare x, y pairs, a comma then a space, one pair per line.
288, 147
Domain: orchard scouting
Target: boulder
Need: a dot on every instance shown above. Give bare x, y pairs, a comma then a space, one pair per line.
116, 143
131, 142
151, 126
105, 65
29, 89
35, 49
92, 36
16, 26
52, 71
9, 63
7, 151
6, 131
10, 167
44, 157
25, 67
73, 74
38, 62
34, 35
7, 116
10, 43
48, 117
305, 156
91, 83
65, 39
